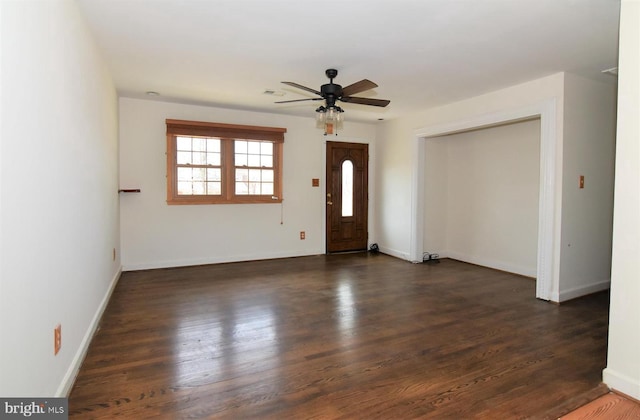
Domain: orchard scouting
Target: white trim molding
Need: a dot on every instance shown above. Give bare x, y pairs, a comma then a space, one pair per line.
576, 292
621, 382
498, 265
70, 377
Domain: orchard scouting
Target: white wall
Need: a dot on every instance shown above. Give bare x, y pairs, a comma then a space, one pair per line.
589, 150
623, 363
155, 234
393, 189
59, 193
436, 179
488, 196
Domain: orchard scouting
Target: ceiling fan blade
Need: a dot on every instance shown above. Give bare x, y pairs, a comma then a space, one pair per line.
365, 101
298, 100
302, 87
358, 87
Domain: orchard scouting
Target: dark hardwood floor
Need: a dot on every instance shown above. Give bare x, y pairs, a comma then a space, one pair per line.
338, 336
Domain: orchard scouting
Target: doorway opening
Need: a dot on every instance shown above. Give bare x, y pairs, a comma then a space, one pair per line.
547, 287
481, 196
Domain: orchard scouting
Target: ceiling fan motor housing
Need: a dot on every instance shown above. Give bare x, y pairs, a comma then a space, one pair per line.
331, 92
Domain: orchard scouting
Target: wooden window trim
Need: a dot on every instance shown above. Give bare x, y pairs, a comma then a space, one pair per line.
227, 133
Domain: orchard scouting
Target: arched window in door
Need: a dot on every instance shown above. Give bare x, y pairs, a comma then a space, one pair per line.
347, 188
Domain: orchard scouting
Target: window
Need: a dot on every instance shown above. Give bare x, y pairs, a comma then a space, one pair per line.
253, 167
212, 163
347, 188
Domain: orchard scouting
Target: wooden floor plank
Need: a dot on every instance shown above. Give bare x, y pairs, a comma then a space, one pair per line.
609, 406
338, 336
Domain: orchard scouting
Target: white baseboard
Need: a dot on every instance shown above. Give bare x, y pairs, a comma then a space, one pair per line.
70, 377
621, 383
396, 253
577, 292
498, 265
217, 260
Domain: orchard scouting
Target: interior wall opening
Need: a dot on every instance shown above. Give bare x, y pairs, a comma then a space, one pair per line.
547, 268
481, 190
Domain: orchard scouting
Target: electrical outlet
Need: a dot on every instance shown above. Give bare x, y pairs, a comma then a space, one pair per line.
114, 254
57, 339
302, 235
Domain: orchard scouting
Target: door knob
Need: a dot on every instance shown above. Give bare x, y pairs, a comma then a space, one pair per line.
330, 203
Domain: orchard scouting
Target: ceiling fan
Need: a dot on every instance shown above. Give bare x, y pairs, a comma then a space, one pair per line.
330, 117
332, 92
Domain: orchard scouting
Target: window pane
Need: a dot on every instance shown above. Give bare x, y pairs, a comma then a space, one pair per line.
184, 188
199, 144
185, 174
214, 188
254, 175
267, 175
241, 160
254, 188
214, 174
242, 188
253, 147
213, 159
254, 160
266, 161
184, 158
213, 145
199, 188
267, 188
199, 174
199, 158
266, 148
242, 174
183, 143
240, 146
347, 188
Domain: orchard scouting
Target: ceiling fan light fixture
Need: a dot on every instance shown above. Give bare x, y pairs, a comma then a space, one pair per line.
329, 119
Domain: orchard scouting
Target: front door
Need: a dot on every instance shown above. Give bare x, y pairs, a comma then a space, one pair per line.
347, 196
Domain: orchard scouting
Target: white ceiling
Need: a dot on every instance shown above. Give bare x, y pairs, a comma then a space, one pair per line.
421, 53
